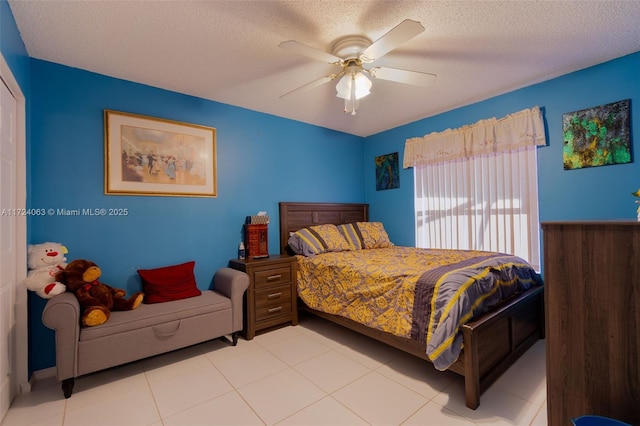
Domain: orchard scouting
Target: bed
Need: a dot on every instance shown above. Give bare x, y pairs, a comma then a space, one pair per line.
491, 341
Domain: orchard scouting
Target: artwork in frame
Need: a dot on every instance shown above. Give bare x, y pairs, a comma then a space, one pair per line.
597, 136
387, 172
158, 157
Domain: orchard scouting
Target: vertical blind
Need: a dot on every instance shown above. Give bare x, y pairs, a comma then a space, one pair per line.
476, 186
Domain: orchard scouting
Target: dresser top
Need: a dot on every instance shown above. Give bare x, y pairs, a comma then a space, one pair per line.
626, 222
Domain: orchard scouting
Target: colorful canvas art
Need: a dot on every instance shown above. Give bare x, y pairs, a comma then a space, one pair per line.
597, 136
387, 172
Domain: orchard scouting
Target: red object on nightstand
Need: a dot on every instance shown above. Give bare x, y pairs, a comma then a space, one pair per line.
256, 241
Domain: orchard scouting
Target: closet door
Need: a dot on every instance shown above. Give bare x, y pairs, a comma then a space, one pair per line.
8, 244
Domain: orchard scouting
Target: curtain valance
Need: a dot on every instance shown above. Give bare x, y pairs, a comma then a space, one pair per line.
515, 131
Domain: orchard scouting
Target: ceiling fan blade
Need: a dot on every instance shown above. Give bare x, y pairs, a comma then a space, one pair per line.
401, 33
312, 85
415, 78
303, 49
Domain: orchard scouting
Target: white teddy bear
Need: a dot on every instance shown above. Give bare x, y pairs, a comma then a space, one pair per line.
45, 261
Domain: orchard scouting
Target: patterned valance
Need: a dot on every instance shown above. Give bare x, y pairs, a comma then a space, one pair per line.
515, 131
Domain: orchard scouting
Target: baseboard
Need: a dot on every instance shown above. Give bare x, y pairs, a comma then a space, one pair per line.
43, 374
35, 376
26, 387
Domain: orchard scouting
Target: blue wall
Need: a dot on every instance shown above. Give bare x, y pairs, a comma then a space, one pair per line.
590, 193
262, 160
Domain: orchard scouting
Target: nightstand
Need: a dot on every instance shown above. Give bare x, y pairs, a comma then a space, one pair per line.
271, 298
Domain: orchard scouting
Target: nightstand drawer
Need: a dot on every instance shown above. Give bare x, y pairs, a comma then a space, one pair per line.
273, 302
272, 277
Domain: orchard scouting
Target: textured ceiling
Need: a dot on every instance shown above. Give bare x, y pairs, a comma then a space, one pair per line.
227, 51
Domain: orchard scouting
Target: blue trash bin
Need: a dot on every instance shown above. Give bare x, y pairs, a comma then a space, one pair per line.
597, 421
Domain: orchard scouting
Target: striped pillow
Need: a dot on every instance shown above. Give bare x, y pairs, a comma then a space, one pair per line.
318, 239
366, 235
352, 235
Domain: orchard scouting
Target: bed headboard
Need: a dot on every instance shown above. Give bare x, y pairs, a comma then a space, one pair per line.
294, 216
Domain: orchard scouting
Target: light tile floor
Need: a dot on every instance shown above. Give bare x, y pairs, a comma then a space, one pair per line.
316, 373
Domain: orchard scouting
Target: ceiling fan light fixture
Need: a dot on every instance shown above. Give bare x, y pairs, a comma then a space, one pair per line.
350, 52
352, 87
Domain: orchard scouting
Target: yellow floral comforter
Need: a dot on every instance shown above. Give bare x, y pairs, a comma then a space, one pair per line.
422, 294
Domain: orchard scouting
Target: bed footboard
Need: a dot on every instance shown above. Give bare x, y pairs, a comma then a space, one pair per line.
495, 341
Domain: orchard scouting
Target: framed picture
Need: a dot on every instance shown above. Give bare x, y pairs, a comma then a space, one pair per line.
387, 172
597, 136
153, 156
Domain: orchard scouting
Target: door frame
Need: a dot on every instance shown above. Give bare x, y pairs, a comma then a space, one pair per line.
21, 366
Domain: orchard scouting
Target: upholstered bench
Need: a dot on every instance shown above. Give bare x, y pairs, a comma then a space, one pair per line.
149, 330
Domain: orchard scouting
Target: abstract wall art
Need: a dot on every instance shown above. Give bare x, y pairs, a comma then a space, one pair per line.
387, 172
597, 136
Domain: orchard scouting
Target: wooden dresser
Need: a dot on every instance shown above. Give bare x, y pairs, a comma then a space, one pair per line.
592, 307
272, 294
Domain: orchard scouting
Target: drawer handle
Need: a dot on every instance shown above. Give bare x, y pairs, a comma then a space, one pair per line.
167, 330
274, 310
274, 277
274, 295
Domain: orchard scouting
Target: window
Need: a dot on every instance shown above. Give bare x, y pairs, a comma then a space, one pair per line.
479, 193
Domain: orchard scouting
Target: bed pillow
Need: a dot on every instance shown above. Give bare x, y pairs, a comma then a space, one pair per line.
352, 234
366, 235
169, 283
318, 239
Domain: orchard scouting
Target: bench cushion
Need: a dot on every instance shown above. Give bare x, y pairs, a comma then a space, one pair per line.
157, 313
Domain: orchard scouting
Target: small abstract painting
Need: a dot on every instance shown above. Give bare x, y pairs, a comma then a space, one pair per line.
387, 172
597, 136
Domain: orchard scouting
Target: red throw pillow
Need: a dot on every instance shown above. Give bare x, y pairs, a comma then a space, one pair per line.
169, 283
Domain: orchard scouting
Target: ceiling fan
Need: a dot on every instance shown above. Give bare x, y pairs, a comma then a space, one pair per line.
352, 53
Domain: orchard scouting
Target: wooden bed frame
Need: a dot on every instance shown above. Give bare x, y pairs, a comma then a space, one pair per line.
492, 342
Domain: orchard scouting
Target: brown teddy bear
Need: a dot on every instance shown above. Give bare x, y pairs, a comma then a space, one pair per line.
96, 299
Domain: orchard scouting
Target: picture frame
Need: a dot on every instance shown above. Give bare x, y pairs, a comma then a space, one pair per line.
158, 157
